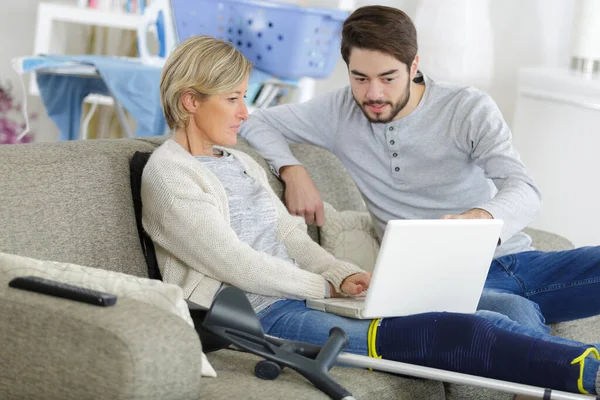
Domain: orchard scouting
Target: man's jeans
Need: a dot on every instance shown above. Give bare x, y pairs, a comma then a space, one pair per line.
534, 288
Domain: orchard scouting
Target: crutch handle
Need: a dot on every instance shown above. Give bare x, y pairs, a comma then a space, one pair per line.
327, 357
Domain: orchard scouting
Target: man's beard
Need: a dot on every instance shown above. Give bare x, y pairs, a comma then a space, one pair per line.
399, 105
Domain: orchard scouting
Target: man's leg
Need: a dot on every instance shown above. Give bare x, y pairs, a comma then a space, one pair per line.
516, 307
507, 324
565, 284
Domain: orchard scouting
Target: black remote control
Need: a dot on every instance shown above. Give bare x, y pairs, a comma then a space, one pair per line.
64, 290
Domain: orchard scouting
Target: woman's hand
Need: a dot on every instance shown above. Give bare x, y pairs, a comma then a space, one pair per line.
354, 284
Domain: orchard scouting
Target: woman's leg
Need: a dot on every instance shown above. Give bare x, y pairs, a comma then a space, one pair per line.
469, 344
292, 320
456, 342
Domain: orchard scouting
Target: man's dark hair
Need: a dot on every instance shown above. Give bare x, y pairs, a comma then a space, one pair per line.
380, 28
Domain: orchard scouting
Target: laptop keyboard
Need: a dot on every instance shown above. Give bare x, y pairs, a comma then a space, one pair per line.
356, 302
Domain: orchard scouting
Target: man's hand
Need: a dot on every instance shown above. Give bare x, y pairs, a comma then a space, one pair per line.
354, 284
301, 195
474, 213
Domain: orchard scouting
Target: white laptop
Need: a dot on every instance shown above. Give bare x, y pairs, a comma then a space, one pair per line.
424, 266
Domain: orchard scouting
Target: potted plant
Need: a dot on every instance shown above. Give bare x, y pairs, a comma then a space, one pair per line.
10, 111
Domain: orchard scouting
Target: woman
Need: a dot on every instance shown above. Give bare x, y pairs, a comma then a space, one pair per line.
215, 221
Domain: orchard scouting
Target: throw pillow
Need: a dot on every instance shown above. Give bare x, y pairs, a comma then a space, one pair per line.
350, 236
165, 296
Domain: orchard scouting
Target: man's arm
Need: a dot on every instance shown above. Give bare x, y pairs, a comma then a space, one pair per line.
489, 140
313, 122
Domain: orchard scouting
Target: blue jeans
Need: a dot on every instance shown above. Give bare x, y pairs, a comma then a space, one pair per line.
292, 320
534, 288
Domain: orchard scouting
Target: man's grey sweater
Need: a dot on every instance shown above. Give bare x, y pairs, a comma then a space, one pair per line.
452, 153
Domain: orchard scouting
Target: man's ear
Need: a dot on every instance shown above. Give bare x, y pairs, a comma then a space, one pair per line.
414, 67
189, 101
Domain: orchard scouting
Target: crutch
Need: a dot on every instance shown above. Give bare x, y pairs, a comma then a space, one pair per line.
231, 320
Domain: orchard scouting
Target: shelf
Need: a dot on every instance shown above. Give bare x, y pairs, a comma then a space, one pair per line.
89, 16
51, 36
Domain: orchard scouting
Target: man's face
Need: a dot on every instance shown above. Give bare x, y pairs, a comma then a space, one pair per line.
380, 84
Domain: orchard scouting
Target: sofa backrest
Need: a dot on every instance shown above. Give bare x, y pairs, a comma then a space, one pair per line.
71, 201
330, 176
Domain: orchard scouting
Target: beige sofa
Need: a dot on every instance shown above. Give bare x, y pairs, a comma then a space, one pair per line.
71, 202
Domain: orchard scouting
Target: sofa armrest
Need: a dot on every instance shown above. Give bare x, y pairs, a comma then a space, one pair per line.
546, 241
54, 348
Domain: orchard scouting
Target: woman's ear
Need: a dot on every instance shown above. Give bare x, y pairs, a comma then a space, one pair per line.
189, 101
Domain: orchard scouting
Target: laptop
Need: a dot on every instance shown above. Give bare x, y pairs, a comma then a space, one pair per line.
424, 266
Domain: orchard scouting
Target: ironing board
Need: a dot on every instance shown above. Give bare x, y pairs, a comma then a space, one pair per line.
89, 71
64, 82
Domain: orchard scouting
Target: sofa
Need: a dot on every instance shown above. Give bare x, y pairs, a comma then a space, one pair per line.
71, 202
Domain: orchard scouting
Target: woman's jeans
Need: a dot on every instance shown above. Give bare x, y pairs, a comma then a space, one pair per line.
534, 288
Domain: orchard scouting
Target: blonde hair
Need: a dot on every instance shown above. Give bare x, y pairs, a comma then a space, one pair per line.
204, 64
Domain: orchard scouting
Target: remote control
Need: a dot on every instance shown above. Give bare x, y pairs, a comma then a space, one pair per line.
64, 290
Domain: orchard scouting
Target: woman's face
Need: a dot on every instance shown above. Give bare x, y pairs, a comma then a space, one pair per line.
217, 119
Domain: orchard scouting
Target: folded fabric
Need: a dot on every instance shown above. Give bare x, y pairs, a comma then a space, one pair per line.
165, 296
63, 96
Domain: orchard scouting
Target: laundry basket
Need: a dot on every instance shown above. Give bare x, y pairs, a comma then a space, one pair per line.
285, 40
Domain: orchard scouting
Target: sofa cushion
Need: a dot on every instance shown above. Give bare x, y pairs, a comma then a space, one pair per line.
234, 366
350, 236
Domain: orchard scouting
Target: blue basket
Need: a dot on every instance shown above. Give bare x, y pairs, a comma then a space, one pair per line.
285, 40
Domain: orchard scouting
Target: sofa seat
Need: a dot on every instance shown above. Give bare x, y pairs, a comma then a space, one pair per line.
363, 384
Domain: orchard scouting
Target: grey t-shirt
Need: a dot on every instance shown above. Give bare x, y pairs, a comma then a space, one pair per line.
252, 215
452, 153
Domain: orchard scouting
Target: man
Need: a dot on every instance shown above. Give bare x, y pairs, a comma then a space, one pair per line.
421, 149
